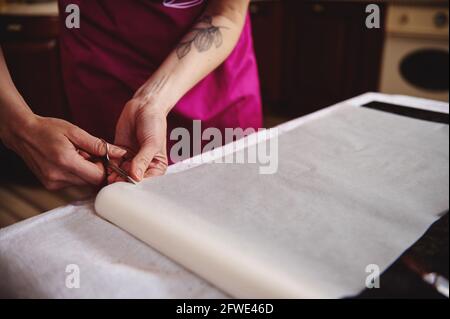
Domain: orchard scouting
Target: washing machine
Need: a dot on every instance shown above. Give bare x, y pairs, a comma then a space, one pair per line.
416, 52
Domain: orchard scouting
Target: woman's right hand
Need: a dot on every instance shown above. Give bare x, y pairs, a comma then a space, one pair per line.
58, 152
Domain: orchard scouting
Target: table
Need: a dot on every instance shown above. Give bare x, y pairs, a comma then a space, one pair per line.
37, 255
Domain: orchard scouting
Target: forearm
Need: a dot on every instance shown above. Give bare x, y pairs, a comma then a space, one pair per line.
201, 51
13, 108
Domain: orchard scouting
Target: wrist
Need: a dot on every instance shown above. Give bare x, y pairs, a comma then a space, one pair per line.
158, 94
16, 125
156, 104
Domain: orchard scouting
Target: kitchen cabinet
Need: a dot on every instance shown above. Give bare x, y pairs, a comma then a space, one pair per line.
332, 54
313, 54
268, 30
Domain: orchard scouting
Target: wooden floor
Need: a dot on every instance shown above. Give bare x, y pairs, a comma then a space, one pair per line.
19, 201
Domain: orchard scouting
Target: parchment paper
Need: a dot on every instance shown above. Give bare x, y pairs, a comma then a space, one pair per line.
354, 188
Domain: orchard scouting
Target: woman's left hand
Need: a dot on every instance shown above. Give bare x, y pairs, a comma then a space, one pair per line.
142, 128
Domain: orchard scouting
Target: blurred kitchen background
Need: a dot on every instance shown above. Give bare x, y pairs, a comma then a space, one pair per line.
311, 54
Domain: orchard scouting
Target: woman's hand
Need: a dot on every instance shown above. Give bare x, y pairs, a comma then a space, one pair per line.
142, 128
57, 152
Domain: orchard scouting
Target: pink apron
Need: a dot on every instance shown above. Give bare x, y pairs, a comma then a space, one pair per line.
121, 43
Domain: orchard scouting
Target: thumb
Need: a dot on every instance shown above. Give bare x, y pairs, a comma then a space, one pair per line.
93, 145
142, 160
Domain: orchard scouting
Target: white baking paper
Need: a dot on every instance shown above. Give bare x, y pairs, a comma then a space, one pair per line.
354, 188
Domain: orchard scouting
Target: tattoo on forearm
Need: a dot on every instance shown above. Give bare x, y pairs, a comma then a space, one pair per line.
159, 85
202, 37
154, 88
